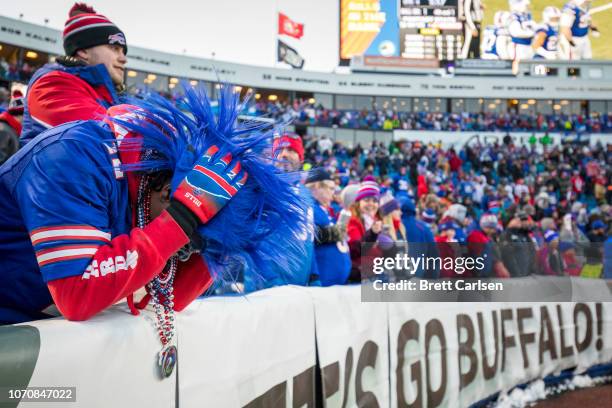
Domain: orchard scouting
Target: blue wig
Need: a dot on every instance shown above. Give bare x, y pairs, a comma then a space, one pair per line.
267, 206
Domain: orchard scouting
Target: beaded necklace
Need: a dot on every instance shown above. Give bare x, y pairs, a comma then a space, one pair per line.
160, 289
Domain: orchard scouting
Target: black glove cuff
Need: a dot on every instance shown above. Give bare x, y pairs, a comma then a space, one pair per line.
183, 217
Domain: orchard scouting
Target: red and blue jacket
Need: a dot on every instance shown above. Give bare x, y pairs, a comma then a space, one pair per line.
58, 94
66, 229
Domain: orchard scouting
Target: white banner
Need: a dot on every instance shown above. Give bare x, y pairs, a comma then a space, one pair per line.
259, 351
256, 350
353, 349
459, 139
111, 360
438, 348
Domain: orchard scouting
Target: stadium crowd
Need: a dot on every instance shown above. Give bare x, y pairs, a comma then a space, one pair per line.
314, 114
548, 213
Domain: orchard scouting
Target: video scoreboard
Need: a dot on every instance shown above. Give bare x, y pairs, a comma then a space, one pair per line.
430, 29
411, 29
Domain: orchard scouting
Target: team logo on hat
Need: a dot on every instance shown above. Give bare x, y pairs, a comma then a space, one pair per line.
117, 38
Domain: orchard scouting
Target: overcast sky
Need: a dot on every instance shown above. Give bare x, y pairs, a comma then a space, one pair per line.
235, 30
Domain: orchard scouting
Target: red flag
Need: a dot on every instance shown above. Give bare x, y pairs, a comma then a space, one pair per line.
289, 27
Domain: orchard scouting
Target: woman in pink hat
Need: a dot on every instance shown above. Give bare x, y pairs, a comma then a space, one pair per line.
364, 225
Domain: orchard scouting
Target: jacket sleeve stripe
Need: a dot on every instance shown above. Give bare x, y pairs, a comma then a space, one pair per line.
64, 253
71, 233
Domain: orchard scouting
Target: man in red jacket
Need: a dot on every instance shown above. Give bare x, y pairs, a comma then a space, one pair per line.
82, 84
10, 127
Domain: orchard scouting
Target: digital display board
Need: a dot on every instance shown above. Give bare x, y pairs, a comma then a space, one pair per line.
430, 29
412, 29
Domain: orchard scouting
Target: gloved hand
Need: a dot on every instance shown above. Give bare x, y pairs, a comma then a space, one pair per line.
209, 186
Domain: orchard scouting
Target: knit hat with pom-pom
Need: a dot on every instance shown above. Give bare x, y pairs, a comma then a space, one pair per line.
85, 29
16, 105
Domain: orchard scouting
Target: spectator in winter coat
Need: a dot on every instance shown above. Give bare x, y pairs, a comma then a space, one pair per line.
570, 233
594, 253
457, 214
288, 152
391, 214
10, 127
82, 84
485, 241
549, 258
331, 249
364, 225
448, 247
84, 244
420, 238
571, 263
518, 248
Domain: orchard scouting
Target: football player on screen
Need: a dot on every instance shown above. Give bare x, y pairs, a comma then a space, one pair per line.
546, 38
575, 24
522, 29
496, 40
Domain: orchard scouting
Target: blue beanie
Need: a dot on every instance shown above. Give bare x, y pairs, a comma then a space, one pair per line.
406, 204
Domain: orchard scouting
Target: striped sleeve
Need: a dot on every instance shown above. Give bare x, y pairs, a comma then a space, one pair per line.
66, 194
67, 242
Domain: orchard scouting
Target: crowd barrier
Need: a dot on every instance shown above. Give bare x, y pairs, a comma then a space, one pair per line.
306, 347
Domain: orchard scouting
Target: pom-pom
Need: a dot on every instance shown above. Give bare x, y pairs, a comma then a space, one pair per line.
80, 8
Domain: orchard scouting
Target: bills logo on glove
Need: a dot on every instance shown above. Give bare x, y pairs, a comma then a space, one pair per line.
211, 183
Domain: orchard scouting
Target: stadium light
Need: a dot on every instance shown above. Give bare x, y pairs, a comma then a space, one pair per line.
531, 101
151, 77
193, 82
132, 74
171, 86
0, 47
524, 106
31, 54
564, 102
174, 80
311, 101
257, 96
272, 97
557, 107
